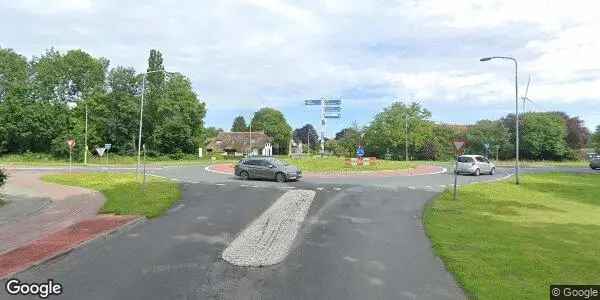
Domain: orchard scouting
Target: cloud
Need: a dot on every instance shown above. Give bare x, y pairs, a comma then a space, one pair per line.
242, 55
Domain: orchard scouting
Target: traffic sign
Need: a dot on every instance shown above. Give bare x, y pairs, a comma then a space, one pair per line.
100, 151
360, 151
333, 102
487, 146
336, 116
71, 144
333, 109
458, 144
107, 146
312, 102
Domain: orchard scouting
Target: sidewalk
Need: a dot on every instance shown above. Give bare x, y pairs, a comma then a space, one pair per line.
42, 220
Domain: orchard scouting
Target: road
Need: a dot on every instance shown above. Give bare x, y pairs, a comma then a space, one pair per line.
362, 239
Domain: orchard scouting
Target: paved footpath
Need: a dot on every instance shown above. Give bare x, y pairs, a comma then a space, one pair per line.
43, 219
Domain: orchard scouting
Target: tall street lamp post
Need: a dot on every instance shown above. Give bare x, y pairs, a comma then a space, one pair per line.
137, 169
516, 111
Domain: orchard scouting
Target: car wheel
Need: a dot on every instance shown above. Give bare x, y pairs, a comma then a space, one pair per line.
477, 173
492, 171
280, 177
244, 175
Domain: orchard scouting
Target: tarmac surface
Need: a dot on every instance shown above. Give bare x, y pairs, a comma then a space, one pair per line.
362, 238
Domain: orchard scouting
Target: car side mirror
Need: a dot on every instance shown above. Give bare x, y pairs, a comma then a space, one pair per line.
272, 166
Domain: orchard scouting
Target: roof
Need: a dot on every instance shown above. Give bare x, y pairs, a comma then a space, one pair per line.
238, 141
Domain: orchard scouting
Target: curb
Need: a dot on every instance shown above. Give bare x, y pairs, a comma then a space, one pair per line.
102, 235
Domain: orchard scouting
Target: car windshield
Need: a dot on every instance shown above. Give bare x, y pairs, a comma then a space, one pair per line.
465, 159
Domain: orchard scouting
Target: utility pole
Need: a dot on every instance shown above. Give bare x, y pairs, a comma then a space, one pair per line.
86, 135
406, 137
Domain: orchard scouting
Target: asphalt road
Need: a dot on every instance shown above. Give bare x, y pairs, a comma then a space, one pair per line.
362, 239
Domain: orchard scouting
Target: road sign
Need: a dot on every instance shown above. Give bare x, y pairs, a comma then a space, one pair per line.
71, 144
333, 109
487, 146
312, 102
100, 151
333, 102
107, 146
360, 151
336, 116
458, 144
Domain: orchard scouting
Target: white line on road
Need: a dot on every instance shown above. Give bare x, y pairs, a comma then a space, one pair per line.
220, 184
269, 238
410, 187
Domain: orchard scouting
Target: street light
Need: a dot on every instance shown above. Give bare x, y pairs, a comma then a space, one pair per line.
137, 169
516, 110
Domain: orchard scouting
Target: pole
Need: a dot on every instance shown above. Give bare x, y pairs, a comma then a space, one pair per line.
137, 169
406, 137
322, 126
70, 159
455, 176
516, 122
144, 165
86, 133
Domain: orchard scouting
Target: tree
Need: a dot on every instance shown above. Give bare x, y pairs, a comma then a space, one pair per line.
239, 124
307, 135
347, 140
492, 133
577, 134
273, 123
210, 133
155, 81
595, 140
544, 136
387, 132
13, 75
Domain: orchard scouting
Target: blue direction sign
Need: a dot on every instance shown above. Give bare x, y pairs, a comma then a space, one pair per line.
360, 151
333, 102
312, 102
333, 108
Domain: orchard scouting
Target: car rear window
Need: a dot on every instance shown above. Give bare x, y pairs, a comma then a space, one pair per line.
465, 159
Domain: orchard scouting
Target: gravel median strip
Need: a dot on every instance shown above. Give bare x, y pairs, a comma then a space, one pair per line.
268, 239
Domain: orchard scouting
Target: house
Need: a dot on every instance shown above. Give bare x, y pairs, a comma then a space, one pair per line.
238, 143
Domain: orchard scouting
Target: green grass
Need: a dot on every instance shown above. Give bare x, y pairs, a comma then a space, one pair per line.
504, 241
124, 194
40, 159
328, 164
545, 163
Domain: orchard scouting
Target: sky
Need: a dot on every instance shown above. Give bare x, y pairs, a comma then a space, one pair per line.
247, 54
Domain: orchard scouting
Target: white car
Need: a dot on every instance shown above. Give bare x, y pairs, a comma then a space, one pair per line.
475, 165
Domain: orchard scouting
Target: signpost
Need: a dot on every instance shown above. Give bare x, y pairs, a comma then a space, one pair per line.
330, 109
107, 147
360, 151
71, 144
458, 145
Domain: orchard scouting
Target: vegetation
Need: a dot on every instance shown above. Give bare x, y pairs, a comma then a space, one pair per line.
504, 241
308, 136
3, 178
273, 123
124, 194
330, 164
43, 103
40, 159
595, 141
239, 124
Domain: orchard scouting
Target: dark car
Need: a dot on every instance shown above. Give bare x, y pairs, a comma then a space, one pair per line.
595, 163
267, 168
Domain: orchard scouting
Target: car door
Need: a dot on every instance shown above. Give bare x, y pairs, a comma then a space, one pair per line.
251, 168
484, 166
263, 169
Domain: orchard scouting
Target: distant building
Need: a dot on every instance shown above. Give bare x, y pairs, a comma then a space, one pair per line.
238, 143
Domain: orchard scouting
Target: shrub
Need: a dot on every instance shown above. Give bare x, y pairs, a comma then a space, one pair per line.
3, 177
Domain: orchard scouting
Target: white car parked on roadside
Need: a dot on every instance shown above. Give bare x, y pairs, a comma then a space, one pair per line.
475, 165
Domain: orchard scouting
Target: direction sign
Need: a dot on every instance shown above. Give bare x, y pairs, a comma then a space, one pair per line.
336, 116
458, 144
107, 146
332, 108
71, 144
360, 151
487, 146
312, 102
333, 102
100, 151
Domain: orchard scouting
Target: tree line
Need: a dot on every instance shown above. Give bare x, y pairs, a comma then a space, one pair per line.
43, 102
402, 130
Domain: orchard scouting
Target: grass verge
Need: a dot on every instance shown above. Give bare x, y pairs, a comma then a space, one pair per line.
124, 194
329, 164
504, 241
40, 159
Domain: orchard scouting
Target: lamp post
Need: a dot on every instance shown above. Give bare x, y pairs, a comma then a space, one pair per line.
137, 169
516, 110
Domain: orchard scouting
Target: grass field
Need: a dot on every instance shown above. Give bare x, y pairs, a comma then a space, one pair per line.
545, 163
504, 241
124, 194
35, 159
328, 164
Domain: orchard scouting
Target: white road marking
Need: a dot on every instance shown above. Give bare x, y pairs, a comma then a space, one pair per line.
287, 187
269, 238
410, 187
220, 184
337, 188
244, 185
176, 208
320, 188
